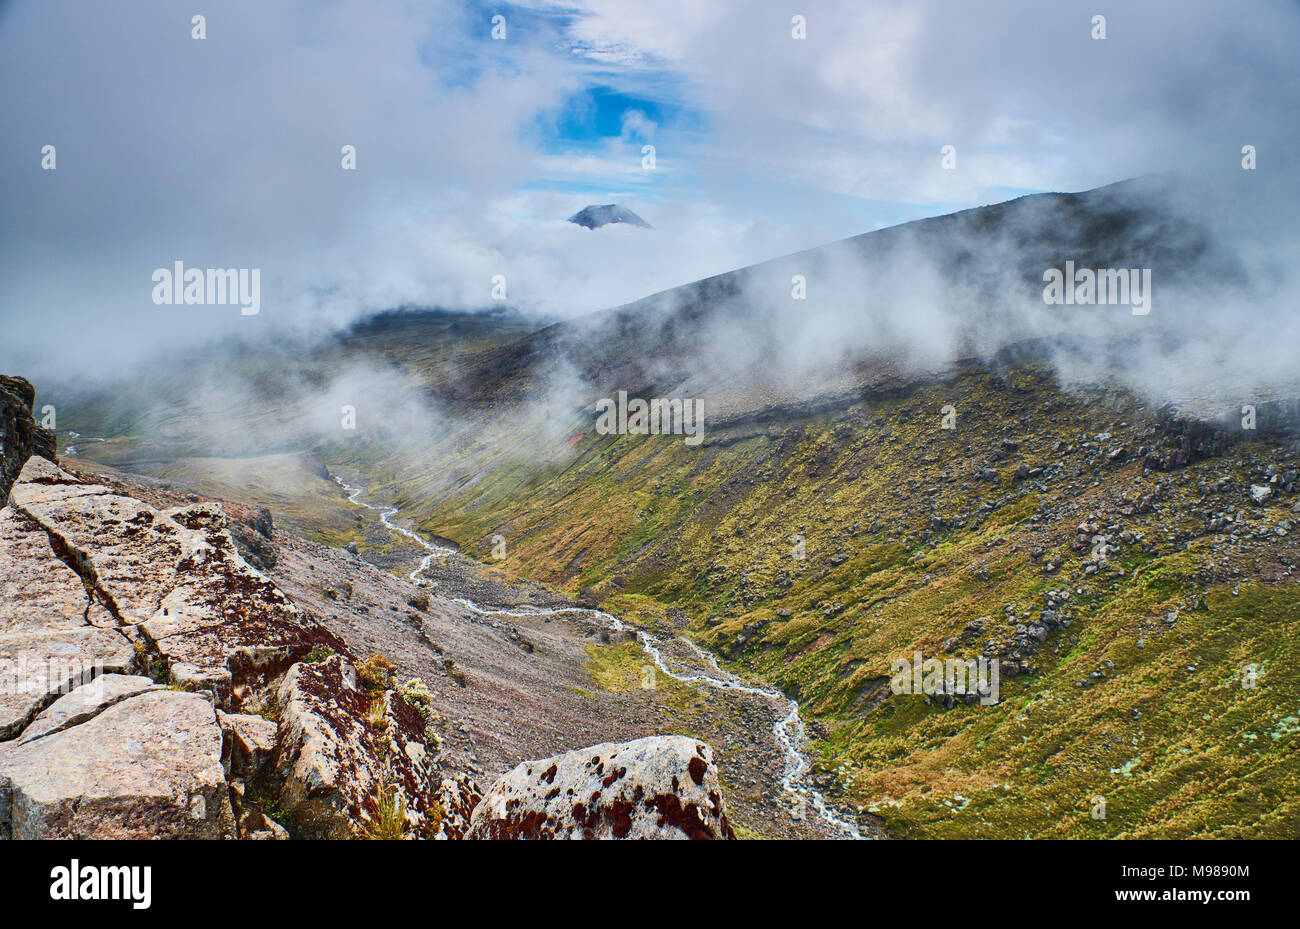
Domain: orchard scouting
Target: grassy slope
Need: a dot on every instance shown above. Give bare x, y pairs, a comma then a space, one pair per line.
1163, 731
906, 544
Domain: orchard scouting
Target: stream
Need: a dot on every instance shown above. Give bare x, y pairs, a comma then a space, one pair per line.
788, 730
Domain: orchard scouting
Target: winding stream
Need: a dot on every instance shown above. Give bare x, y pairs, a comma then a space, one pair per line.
788, 730
71, 450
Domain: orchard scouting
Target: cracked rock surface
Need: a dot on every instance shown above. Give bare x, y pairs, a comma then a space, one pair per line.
148, 767
85, 703
106, 599
39, 665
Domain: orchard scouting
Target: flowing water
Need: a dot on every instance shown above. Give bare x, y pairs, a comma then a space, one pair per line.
788, 730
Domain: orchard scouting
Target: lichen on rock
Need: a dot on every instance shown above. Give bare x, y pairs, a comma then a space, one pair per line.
662, 787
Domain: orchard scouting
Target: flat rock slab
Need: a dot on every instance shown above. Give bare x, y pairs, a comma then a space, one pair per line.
44, 481
148, 767
124, 547
35, 667
175, 575
662, 787
85, 703
37, 590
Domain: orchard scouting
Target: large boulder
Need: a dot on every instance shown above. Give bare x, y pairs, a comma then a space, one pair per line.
345, 752
663, 787
146, 767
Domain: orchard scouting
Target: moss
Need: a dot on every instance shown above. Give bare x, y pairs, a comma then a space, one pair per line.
626, 667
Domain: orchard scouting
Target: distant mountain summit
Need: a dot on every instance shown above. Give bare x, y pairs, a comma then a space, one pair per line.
593, 217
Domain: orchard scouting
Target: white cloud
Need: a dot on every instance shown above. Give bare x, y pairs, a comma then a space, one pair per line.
226, 152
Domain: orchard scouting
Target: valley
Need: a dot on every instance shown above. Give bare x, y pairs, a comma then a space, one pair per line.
1130, 561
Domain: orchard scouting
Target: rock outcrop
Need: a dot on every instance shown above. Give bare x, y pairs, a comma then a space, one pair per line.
349, 755
157, 685
663, 787
174, 584
20, 435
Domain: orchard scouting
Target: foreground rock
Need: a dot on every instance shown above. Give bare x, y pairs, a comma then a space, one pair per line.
147, 767
176, 579
85, 703
36, 588
154, 684
351, 757
104, 599
37, 666
664, 787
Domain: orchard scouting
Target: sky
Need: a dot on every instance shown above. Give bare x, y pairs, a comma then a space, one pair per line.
472, 151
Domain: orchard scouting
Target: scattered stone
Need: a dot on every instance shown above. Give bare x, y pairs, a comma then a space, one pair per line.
249, 743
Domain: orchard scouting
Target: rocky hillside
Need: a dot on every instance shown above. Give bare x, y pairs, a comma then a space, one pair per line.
1133, 570
156, 685
917, 457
